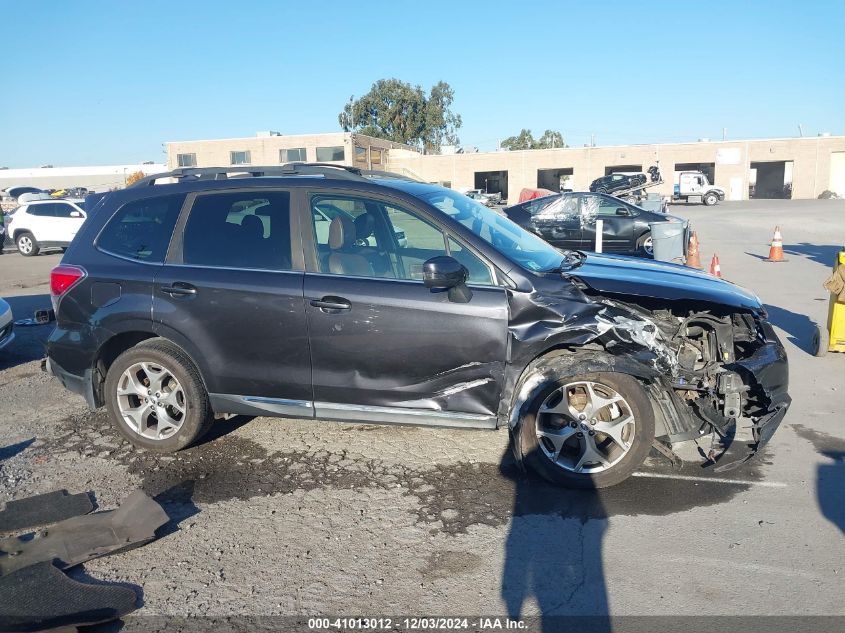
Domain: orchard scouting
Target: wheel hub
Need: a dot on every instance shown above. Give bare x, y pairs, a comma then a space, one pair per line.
151, 400
585, 427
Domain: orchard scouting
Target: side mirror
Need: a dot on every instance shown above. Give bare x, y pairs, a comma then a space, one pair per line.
447, 273
622, 211
75, 214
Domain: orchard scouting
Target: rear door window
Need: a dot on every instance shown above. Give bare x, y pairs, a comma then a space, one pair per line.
42, 210
141, 230
239, 230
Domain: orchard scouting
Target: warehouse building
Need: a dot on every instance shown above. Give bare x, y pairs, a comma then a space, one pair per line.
272, 148
761, 168
768, 168
93, 178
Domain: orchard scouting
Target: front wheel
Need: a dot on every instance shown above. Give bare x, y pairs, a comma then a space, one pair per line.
588, 431
156, 398
27, 246
710, 199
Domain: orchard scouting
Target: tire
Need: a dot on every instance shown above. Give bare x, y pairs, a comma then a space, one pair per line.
601, 190
27, 245
645, 246
821, 341
710, 199
638, 435
144, 361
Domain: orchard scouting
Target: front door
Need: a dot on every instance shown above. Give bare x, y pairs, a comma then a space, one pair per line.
618, 223
231, 289
559, 221
68, 221
384, 347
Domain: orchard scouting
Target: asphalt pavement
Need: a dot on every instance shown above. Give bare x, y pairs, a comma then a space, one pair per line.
294, 517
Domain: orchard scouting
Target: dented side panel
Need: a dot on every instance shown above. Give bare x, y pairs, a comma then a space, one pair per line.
402, 345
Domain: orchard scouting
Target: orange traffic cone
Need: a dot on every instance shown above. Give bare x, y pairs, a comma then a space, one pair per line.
776, 250
693, 258
715, 269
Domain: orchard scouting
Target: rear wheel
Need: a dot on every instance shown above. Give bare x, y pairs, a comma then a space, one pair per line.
587, 431
710, 199
645, 245
601, 190
27, 246
156, 398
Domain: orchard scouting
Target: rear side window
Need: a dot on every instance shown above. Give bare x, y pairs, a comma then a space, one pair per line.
141, 229
42, 210
239, 230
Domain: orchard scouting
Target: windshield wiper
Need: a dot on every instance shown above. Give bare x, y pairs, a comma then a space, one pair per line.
571, 260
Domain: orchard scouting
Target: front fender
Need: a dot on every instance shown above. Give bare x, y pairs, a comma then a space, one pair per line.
567, 363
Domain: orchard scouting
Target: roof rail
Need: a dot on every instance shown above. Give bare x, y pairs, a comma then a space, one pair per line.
327, 170
387, 175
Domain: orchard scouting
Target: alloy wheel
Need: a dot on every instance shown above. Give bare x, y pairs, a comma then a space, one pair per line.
25, 245
648, 246
151, 400
585, 427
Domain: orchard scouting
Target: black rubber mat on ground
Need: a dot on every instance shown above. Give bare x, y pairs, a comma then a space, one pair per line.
41, 597
39, 510
76, 540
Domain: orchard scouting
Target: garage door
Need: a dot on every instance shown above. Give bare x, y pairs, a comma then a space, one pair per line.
837, 173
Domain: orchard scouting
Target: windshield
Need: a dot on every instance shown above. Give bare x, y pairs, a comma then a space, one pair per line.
525, 248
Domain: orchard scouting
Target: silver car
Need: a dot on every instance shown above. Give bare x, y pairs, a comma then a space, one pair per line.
7, 333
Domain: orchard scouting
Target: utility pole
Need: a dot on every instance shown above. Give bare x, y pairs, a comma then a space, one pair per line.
800, 131
724, 134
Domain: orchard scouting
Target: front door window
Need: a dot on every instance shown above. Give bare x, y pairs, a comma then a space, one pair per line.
370, 238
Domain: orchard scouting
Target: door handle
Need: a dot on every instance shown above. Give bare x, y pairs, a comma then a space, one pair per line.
179, 289
331, 304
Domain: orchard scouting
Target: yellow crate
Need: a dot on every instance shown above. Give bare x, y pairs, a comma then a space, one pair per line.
836, 316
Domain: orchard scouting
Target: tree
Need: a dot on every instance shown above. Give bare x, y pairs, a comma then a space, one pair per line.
525, 140
134, 177
522, 141
550, 139
396, 111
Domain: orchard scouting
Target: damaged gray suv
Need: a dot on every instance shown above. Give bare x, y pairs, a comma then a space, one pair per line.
235, 293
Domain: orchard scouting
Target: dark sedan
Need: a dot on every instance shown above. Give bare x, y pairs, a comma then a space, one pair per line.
617, 182
568, 220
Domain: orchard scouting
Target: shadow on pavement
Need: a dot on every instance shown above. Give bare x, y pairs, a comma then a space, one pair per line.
799, 327
553, 551
818, 253
7, 452
30, 341
830, 489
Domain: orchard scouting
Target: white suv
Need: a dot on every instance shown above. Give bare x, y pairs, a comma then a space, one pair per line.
44, 224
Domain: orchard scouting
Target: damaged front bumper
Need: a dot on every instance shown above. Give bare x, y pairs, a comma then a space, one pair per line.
762, 431
767, 368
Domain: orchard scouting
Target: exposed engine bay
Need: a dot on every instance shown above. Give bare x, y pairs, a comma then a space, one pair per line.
711, 354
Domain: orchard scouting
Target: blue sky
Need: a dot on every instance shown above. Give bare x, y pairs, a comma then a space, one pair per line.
106, 82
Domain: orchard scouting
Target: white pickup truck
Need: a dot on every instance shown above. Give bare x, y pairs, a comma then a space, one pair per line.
693, 186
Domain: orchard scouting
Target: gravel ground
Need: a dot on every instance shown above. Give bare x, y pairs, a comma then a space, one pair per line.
292, 517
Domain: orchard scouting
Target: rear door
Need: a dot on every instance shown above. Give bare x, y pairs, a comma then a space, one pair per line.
231, 290
385, 348
618, 221
39, 220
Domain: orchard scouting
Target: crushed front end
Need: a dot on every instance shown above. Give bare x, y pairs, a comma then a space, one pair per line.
729, 380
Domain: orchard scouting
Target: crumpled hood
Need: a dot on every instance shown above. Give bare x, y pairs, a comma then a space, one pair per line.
660, 280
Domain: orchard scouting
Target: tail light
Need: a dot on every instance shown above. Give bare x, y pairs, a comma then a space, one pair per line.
63, 277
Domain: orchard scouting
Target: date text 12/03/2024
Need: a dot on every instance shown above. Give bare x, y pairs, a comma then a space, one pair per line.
416, 624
